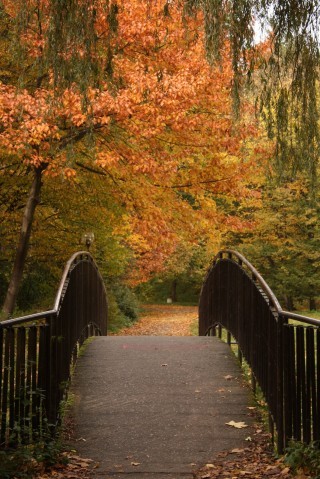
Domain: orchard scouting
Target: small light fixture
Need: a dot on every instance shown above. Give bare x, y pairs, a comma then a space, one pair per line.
87, 239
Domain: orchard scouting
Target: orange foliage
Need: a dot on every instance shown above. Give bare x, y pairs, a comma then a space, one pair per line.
162, 125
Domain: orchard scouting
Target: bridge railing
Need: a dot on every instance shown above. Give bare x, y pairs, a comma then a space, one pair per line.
281, 348
37, 352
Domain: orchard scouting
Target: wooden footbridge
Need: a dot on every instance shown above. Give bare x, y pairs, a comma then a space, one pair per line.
37, 353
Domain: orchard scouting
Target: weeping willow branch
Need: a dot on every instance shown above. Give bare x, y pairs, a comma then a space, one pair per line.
289, 80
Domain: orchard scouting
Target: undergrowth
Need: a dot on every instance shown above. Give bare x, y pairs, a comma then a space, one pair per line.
304, 458
259, 399
24, 461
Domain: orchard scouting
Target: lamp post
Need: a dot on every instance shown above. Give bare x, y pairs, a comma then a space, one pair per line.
87, 239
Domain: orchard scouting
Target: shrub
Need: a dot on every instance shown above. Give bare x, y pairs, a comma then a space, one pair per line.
305, 457
37, 289
122, 307
127, 301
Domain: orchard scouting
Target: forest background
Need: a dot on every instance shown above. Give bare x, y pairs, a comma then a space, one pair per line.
132, 129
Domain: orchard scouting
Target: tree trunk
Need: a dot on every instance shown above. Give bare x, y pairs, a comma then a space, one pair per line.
174, 291
312, 304
289, 303
23, 244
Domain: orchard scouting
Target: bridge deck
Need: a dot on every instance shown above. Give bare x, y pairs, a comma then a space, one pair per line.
156, 407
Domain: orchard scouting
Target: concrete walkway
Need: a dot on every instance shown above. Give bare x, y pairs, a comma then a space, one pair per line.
157, 407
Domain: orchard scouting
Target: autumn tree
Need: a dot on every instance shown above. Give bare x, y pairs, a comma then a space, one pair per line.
287, 86
284, 245
128, 96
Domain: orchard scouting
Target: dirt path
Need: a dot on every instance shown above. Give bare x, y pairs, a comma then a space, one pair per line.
164, 320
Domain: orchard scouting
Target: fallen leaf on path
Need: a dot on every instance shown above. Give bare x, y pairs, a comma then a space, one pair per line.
272, 471
82, 464
82, 459
228, 377
135, 463
163, 320
301, 475
237, 425
256, 461
223, 454
285, 471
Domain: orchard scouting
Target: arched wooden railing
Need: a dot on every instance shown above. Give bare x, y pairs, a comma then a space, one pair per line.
37, 352
282, 348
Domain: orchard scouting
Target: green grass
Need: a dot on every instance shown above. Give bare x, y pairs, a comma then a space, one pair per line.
311, 314
194, 328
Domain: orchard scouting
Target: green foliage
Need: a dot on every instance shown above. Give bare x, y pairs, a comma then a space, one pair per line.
127, 301
123, 306
182, 278
38, 288
25, 460
285, 244
305, 457
288, 68
159, 289
72, 42
194, 328
116, 319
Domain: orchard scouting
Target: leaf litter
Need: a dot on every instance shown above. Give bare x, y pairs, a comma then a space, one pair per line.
255, 461
163, 320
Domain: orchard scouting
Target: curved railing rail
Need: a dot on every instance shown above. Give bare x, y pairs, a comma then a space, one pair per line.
37, 352
282, 348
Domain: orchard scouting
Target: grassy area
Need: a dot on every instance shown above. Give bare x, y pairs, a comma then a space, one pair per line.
311, 314
194, 328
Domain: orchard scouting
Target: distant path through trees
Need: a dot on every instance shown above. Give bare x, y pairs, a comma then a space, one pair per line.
164, 320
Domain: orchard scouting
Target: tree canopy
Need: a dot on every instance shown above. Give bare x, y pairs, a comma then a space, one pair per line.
76, 42
132, 100
288, 77
138, 95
